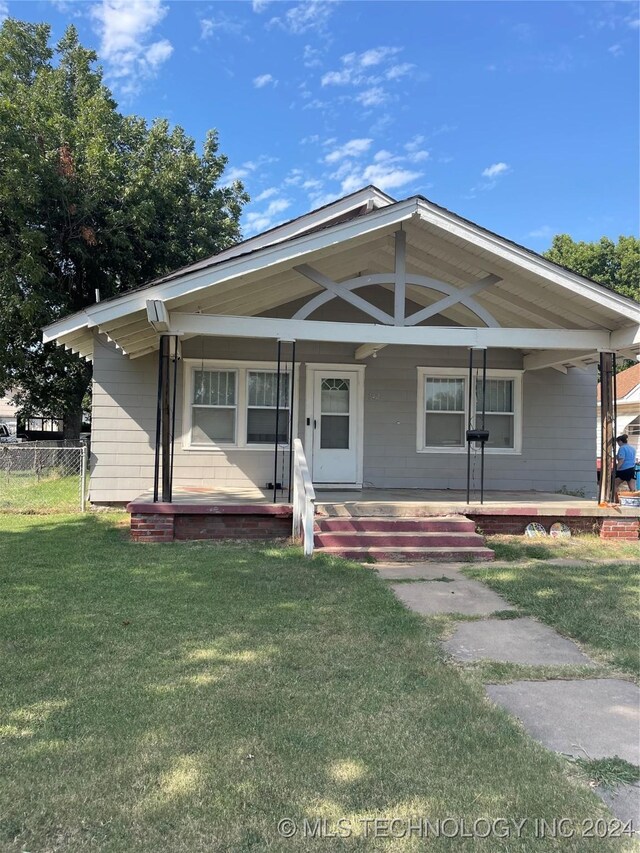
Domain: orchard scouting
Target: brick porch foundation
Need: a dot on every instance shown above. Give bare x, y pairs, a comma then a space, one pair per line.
607, 527
190, 521
182, 522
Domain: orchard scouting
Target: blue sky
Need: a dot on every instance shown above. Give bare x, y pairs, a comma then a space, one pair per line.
522, 116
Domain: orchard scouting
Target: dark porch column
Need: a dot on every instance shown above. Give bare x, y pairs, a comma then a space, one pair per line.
607, 427
165, 418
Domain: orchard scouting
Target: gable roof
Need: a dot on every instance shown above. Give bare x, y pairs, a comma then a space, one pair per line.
357, 226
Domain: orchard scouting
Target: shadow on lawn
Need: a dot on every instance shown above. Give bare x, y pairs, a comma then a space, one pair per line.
187, 697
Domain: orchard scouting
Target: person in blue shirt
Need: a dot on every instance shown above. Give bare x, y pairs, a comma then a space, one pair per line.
625, 464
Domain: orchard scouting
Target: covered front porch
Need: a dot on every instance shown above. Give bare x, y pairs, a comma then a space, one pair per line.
250, 512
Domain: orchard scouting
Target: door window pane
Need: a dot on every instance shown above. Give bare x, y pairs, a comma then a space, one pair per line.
334, 396
444, 430
334, 432
212, 425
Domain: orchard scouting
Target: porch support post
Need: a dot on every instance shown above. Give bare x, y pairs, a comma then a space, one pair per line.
484, 403
165, 421
165, 348
292, 382
400, 277
469, 422
607, 428
275, 441
156, 459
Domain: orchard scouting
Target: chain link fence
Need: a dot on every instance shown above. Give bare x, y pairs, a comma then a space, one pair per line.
43, 477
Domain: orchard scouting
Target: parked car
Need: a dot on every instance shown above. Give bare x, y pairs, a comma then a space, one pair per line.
6, 436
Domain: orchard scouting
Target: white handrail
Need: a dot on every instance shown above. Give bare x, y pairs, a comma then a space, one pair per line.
304, 499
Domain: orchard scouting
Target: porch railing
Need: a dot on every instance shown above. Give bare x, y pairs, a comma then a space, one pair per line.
304, 499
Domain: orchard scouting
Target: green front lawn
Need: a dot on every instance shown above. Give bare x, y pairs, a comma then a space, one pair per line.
25, 492
595, 603
187, 697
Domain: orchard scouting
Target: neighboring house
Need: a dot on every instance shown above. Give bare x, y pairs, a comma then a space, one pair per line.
8, 414
627, 384
383, 299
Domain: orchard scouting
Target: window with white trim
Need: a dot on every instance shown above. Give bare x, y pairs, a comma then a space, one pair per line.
233, 404
443, 409
262, 392
214, 407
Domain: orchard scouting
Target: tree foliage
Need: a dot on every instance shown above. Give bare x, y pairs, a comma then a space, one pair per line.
89, 198
616, 265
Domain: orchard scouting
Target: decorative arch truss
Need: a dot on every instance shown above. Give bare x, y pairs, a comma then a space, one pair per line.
398, 279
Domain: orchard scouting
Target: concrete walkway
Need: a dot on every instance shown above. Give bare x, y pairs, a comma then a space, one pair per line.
524, 641
586, 718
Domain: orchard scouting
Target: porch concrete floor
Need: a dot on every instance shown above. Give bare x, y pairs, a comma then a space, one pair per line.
438, 502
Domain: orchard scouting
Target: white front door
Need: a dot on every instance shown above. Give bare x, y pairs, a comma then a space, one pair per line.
335, 425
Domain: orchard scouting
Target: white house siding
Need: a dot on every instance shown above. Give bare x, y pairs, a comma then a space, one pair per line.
558, 410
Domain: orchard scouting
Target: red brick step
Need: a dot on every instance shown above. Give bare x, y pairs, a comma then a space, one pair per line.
398, 538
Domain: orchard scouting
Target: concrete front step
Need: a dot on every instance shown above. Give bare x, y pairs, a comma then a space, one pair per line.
386, 554
444, 524
416, 538
382, 509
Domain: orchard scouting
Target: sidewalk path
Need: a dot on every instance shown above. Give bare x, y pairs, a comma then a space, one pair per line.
587, 718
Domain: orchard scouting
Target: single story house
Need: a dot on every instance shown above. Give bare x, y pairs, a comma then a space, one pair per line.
377, 332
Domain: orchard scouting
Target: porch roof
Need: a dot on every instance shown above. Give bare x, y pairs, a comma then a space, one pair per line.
490, 282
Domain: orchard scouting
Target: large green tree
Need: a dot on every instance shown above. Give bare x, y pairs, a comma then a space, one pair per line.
89, 198
616, 265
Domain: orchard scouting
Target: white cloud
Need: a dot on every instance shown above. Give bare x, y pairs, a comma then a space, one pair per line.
376, 55
372, 97
419, 156
125, 28
616, 50
265, 194
543, 231
294, 178
386, 177
360, 69
494, 170
264, 80
336, 78
236, 173
210, 27
260, 5
353, 148
415, 143
308, 16
263, 220
633, 22
384, 156
158, 53
311, 56
4, 10
239, 173
398, 71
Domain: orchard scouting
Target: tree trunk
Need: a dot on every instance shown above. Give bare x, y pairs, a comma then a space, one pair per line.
72, 423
